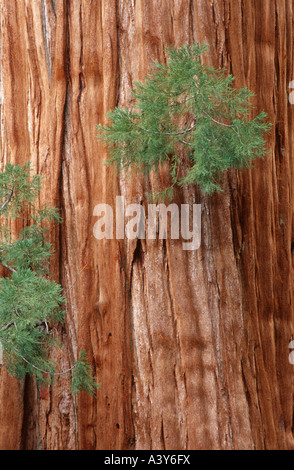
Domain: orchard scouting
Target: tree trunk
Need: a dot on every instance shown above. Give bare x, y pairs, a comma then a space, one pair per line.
191, 348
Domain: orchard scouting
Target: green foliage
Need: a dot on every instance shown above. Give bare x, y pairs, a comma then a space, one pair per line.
17, 189
186, 109
30, 303
81, 377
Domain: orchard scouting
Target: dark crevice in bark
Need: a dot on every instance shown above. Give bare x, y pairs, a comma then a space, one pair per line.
31, 438
258, 397
162, 435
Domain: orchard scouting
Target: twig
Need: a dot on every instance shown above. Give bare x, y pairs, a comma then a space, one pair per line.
7, 326
36, 367
163, 133
186, 143
217, 122
8, 200
7, 266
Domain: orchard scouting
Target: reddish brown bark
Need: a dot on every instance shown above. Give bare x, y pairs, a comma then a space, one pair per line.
191, 348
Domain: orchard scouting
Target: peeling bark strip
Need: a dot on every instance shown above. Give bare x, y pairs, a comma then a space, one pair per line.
191, 348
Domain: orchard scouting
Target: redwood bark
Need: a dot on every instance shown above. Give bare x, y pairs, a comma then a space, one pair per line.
191, 348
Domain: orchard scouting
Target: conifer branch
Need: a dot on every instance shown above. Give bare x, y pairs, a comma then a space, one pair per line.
7, 326
6, 266
30, 301
8, 200
53, 374
183, 87
149, 131
217, 122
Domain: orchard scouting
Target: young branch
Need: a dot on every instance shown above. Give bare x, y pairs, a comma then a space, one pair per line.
7, 200
53, 374
7, 326
217, 122
164, 133
6, 266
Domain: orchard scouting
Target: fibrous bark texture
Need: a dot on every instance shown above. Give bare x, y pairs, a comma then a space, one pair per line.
191, 348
